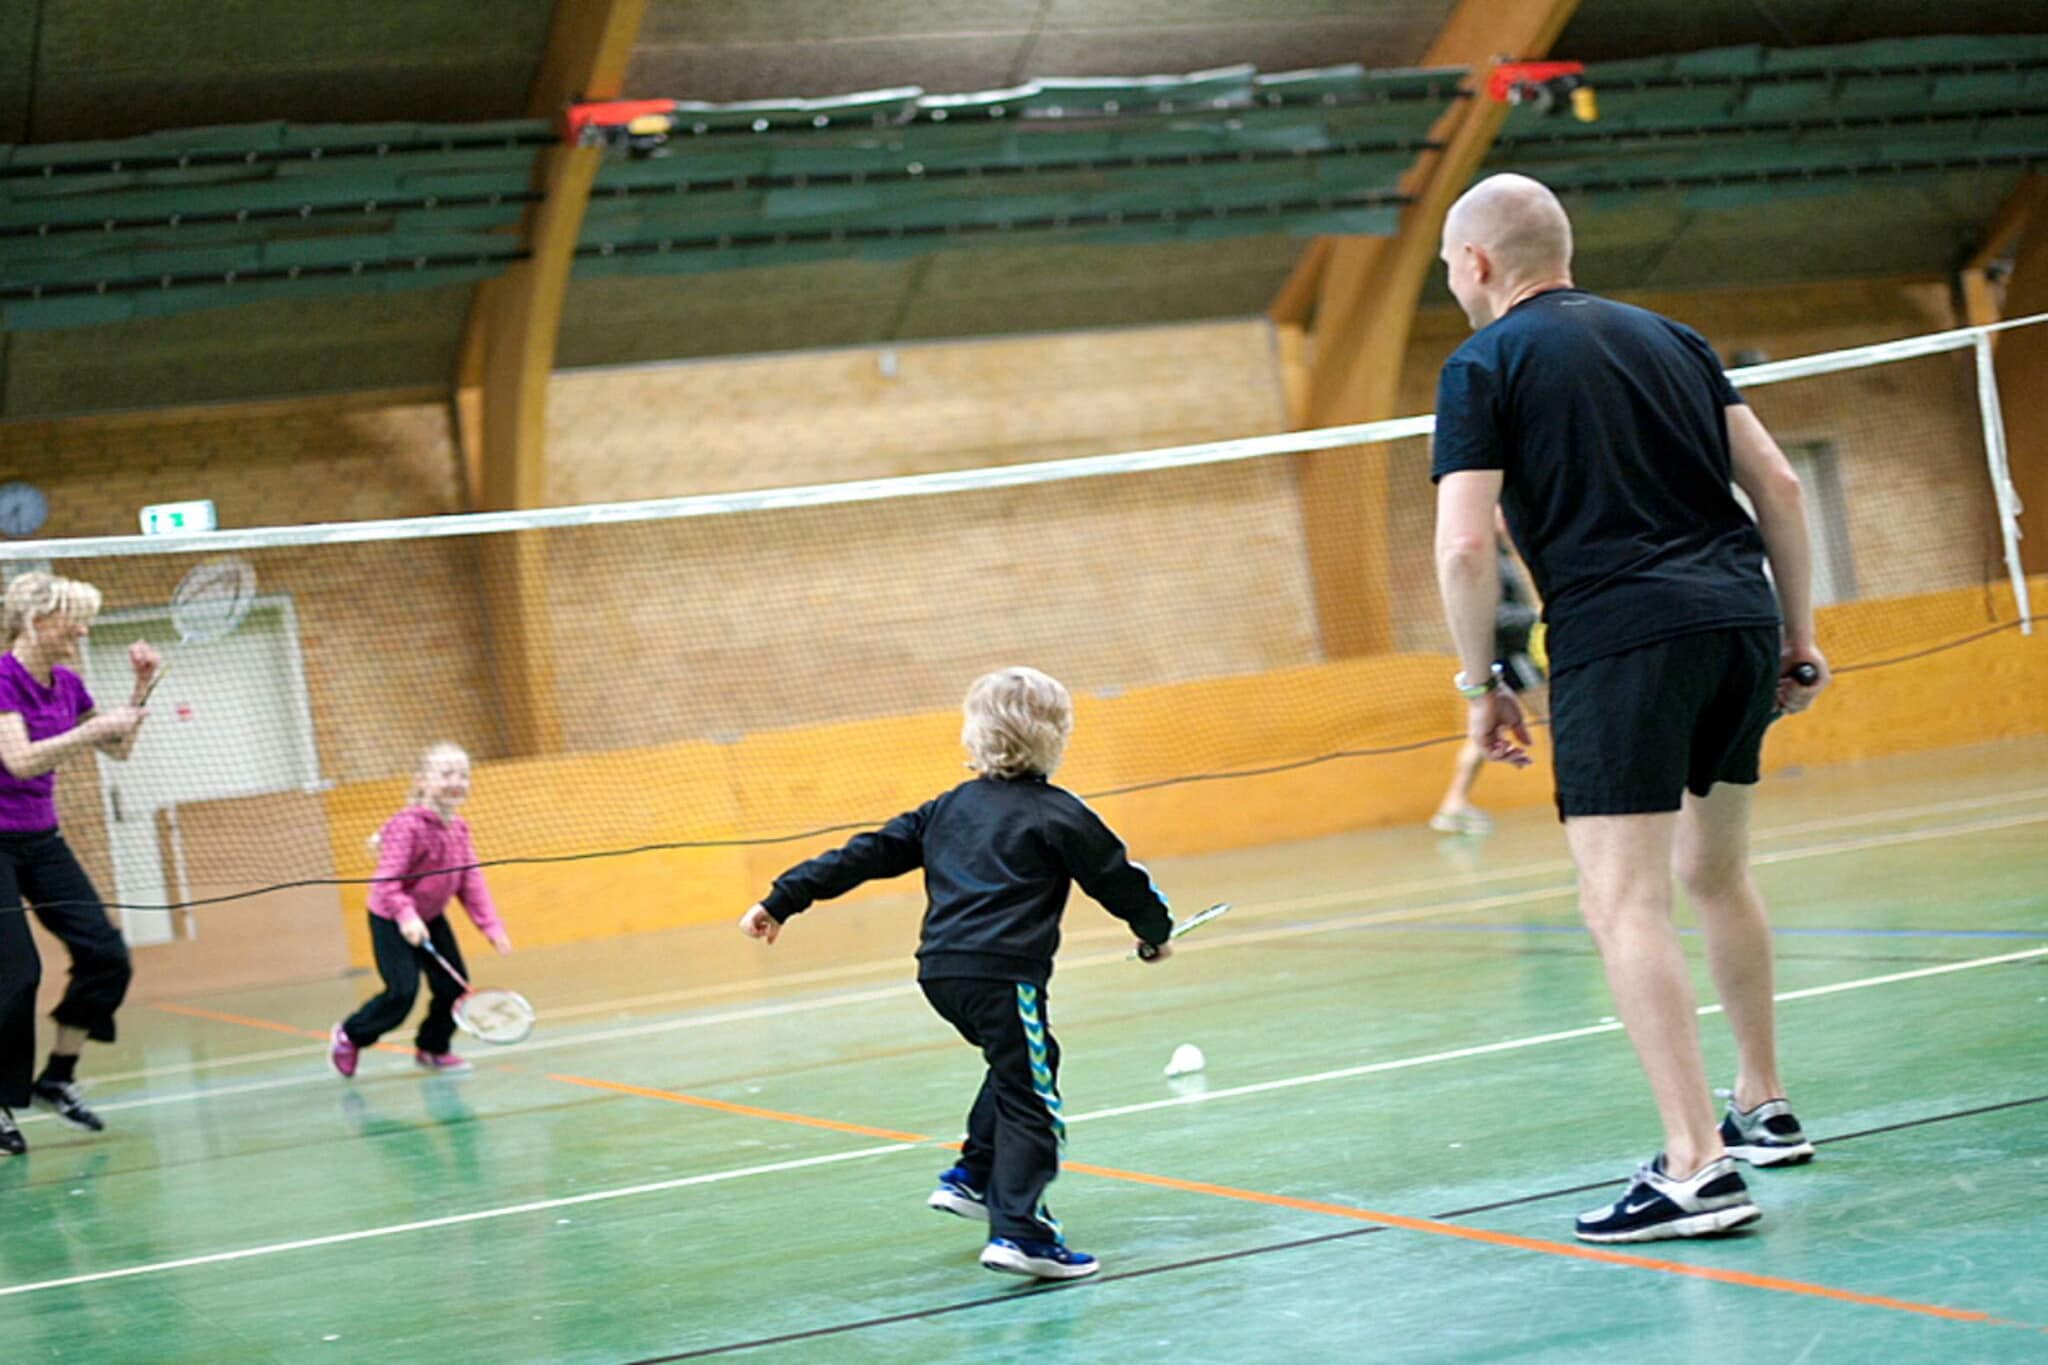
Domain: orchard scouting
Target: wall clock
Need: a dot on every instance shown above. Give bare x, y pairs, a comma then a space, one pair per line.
23, 509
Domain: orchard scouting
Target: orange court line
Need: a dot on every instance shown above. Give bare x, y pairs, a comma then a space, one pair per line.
1435, 1226
269, 1024
246, 1021
1577, 1251
746, 1110
1572, 1250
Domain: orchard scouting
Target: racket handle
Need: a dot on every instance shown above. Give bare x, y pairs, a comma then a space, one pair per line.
1147, 952
1806, 675
446, 965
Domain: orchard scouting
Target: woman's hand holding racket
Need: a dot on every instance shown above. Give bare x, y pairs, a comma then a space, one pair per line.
147, 663
758, 923
414, 930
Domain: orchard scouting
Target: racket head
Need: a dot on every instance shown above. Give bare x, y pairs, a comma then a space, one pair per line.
212, 599
496, 1016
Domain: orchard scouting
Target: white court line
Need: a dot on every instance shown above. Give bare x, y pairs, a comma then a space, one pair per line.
1266, 909
1244, 913
1402, 914
1215, 943
752, 1012
209, 1063
453, 1220
323, 1077
715, 1177
1534, 1040
1960, 803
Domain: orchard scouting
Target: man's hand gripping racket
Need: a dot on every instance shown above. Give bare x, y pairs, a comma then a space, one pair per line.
1800, 682
1153, 952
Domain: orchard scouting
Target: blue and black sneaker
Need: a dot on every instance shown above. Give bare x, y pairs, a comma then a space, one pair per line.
1039, 1260
957, 1195
1654, 1207
1767, 1135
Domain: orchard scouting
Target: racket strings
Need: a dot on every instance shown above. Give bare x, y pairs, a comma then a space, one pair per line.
495, 1016
213, 599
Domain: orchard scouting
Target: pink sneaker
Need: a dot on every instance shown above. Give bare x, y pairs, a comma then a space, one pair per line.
342, 1052
442, 1063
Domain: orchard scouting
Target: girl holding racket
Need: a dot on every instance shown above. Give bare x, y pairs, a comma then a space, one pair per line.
46, 717
424, 859
999, 854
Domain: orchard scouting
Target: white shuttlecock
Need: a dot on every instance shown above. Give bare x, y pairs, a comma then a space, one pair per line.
1187, 1059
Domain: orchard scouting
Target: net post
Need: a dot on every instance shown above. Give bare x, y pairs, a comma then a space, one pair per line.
2002, 491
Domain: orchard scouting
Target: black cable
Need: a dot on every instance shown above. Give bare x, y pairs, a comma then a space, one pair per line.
769, 840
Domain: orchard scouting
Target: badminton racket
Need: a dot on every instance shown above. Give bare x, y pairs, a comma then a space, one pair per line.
496, 1016
210, 602
1147, 951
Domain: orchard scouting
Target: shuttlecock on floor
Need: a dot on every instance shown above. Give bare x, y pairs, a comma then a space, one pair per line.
1187, 1059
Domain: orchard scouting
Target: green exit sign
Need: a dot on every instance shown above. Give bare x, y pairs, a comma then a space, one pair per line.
178, 518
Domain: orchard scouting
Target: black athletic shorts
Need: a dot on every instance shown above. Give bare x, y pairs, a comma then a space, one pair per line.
1632, 732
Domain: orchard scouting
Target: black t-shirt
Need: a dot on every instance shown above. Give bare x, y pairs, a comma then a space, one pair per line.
1607, 423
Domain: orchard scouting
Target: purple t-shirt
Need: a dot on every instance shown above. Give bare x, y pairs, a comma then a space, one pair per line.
30, 803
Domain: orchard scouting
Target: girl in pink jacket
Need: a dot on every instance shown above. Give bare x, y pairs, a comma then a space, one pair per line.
424, 857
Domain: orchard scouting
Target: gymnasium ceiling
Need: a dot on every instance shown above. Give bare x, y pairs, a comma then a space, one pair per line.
77, 71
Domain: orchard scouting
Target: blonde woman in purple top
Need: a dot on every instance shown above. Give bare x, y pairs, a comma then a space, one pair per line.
424, 859
46, 717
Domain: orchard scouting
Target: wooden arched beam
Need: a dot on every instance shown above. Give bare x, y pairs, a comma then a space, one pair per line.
1362, 293
508, 357
2021, 231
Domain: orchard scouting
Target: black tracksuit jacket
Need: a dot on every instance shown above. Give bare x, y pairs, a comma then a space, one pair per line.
999, 856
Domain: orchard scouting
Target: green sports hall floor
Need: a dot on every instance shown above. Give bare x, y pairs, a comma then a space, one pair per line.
710, 1147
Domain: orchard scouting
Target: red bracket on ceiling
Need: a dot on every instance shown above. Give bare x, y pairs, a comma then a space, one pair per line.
1548, 86
607, 122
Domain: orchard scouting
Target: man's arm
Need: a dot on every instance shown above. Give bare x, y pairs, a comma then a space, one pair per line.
1762, 471
1467, 568
1468, 576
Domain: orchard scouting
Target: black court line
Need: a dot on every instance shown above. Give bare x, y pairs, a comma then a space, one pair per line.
988, 1300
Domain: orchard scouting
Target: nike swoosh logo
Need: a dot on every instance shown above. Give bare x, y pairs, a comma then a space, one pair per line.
1637, 1208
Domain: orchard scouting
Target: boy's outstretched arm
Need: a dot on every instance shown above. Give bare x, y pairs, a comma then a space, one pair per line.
891, 851
1102, 867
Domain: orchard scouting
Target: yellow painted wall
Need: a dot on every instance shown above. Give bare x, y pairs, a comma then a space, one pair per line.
868, 770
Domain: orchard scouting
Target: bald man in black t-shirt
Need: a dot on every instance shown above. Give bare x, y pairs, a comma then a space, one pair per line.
1610, 438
